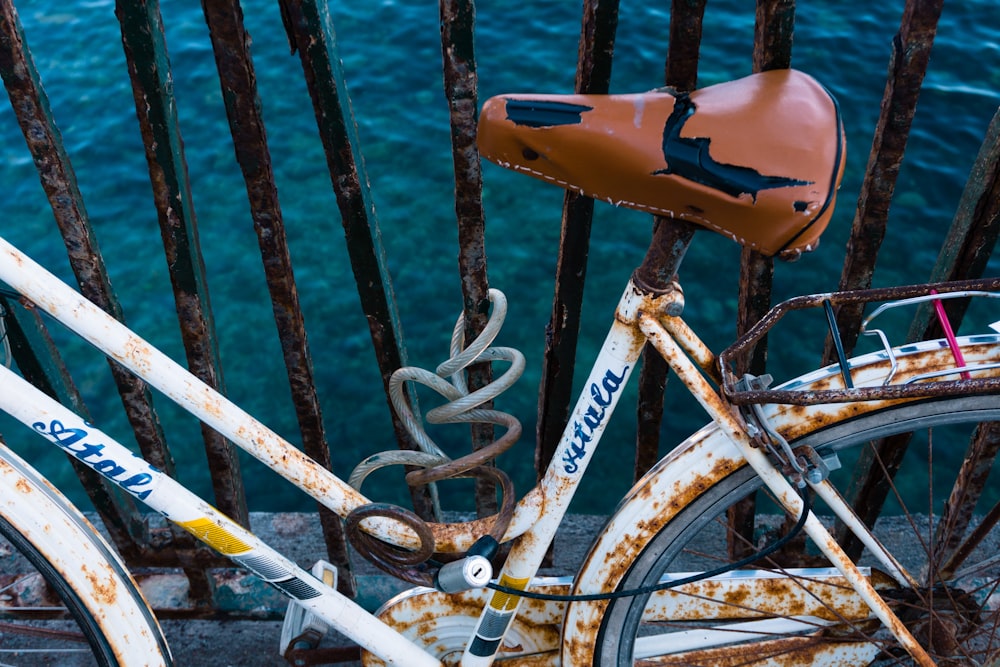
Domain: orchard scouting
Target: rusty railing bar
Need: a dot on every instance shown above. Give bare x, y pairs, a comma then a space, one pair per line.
149, 71
972, 236
31, 107
555, 392
953, 546
963, 256
231, 46
458, 19
773, 30
680, 72
156, 110
774, 27
907, 67
965, 253
311, 33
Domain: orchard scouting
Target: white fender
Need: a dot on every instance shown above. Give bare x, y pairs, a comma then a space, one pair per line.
708, 456
699, 462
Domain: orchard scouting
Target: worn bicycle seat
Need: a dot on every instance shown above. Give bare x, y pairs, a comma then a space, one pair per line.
758, 159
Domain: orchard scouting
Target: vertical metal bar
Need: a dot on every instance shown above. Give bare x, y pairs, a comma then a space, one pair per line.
774, 26
31, 107
649, 411
231, 46
773, 30
972, 236
593, 75
310, 31
59, 182
458, 18
907, 66
680, 72
156, 109
878, 463
964, 254
951, 547
672, 237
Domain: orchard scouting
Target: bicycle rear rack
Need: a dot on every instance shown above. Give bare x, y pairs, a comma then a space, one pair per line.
919, 386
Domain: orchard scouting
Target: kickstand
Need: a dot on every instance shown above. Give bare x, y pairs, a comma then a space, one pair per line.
302, 631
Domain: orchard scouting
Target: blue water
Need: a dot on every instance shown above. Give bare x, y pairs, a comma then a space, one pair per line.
391, 55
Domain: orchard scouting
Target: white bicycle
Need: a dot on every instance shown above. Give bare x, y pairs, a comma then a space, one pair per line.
675, 577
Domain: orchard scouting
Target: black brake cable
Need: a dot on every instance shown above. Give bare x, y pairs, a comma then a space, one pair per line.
662, 586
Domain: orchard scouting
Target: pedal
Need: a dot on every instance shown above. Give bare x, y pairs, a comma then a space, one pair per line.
301, 628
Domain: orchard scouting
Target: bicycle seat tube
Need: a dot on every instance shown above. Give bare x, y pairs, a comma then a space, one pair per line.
658, 272
652, 286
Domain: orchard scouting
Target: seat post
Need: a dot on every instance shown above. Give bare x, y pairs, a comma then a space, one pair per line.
671, 238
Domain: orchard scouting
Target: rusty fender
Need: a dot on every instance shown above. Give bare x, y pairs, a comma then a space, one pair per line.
708, 456
676, 480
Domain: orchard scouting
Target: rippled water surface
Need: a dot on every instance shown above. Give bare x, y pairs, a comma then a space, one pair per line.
391, 56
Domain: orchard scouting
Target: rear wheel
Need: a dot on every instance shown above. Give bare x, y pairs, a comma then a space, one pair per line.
936, 523
65, 598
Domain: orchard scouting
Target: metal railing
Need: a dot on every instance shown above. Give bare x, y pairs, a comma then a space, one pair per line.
307, 24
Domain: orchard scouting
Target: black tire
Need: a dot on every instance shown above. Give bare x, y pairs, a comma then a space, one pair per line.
70, 633
673, 547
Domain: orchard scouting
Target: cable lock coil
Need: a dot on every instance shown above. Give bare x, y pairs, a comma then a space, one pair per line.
433, 464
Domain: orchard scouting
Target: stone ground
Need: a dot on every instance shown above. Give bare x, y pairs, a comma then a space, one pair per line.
255, 643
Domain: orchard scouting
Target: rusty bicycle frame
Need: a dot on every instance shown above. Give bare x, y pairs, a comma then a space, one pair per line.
649, 310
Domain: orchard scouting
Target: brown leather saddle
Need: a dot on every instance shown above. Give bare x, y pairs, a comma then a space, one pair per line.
758, 159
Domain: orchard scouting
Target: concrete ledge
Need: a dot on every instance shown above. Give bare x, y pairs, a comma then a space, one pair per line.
254, 643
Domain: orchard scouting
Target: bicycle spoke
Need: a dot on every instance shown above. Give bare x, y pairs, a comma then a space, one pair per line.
953, 618
35, 626
945, 617
968, 488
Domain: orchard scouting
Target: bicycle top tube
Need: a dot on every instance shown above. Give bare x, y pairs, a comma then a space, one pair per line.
117, 341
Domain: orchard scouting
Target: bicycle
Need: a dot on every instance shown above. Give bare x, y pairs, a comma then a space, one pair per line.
642, 595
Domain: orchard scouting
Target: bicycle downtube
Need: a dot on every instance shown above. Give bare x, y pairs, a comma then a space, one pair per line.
721, 413
126, 347
156, 489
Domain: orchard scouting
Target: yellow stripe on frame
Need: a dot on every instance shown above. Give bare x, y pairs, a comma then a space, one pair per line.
215, 536
506, 601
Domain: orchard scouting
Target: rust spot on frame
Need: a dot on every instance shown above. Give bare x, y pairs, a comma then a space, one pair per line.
104, 588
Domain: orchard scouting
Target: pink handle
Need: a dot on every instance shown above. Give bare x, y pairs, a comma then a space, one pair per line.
949, 335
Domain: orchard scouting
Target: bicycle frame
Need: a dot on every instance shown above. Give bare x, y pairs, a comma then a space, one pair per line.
642, 315
161, 493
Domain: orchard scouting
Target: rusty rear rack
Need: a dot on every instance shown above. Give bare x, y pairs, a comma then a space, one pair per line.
922, 386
